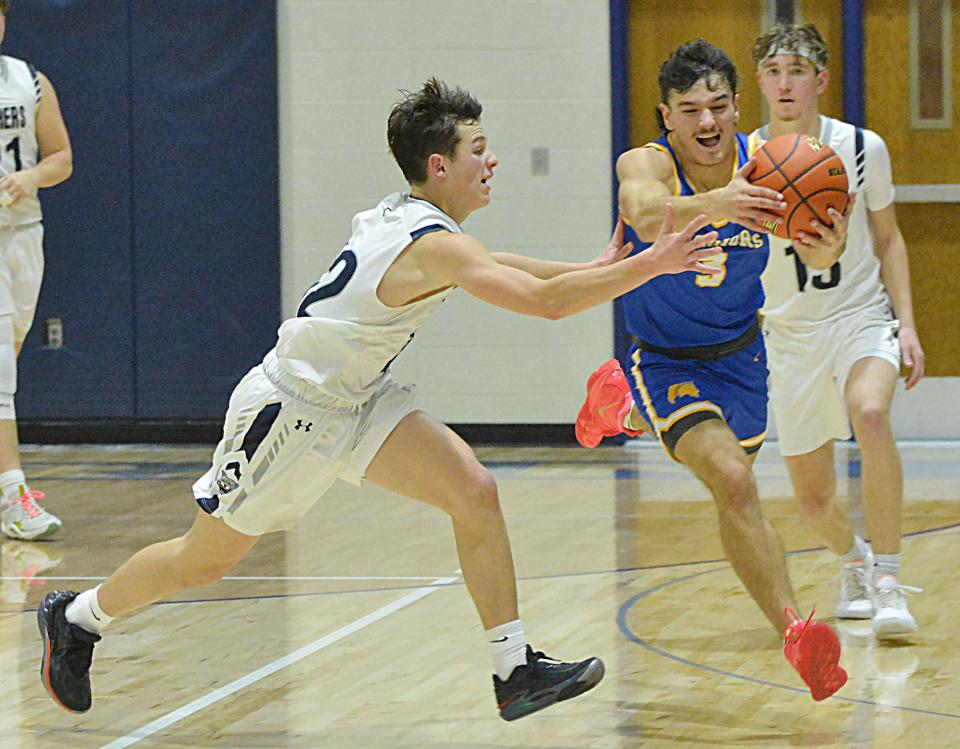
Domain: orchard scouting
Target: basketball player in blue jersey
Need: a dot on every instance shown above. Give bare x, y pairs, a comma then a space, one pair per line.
330, 373
34, 152
698, 362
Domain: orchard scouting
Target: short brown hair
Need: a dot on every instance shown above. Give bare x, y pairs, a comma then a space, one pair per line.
425, 122
804, 41
4, 6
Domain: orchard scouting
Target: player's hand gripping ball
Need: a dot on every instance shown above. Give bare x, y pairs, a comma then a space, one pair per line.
810, 176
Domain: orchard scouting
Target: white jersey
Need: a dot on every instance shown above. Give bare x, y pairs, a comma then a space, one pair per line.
797, 296
344, 338
19, 98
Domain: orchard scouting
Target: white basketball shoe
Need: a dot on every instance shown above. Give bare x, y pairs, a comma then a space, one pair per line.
891, 617
24, 519
854, 601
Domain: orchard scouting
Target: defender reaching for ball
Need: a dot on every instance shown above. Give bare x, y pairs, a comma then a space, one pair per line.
836, 329
698, 359
331, 368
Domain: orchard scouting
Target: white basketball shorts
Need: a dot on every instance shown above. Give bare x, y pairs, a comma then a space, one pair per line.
21, 272
809, 370
283, 447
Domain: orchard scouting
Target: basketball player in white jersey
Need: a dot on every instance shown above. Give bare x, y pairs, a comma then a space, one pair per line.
34, 153
322, 405
837, 327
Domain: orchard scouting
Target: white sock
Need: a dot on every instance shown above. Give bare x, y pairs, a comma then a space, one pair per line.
886, 564
12, 485
858, 552
508, 646
85, 612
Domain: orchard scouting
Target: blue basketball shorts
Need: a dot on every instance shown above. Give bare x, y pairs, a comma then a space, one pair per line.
677, 394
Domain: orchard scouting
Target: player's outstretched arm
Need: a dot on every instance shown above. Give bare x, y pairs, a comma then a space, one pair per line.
462, 260
647, 186
545, 269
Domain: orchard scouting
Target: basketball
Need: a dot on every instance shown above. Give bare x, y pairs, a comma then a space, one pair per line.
810, 176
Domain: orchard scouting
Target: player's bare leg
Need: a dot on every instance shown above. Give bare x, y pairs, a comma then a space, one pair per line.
22, 517
814, 482
815, 485
203, 555
70, 624
751, 544
869, 392
755, 551
425, 460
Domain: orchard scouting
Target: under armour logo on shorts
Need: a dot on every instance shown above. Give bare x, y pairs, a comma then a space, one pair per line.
304, 427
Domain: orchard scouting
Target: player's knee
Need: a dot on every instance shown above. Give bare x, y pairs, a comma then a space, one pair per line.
479, 499
870, 420
816, 505
733, 484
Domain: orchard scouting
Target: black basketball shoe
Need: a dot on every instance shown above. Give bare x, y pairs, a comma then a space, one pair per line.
540, 683
67, 652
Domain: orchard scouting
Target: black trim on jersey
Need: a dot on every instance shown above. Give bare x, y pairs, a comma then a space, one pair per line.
705, 353
861, 154
36, 80
417, 233
259, 428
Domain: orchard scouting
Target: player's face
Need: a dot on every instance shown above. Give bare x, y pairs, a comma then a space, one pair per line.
791, 86
703, 122
467, 174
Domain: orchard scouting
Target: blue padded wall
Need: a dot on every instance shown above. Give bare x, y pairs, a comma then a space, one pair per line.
87, 219
205, 200
163, 248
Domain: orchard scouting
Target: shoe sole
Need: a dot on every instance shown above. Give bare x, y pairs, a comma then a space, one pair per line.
821, 652
853, 614
893, 629
45, 663
576, 685
16, 535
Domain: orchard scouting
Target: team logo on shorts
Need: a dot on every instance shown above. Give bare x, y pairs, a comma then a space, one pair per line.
682, 390
227, 483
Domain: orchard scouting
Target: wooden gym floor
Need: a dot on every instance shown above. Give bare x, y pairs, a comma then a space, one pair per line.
355, 632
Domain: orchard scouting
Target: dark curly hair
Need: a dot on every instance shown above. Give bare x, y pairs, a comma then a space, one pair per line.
425, 122
691, 62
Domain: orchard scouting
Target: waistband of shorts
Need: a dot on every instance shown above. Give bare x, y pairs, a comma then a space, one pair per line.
704, 353
302, 390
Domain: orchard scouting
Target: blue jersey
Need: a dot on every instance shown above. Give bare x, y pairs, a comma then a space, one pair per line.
696, 309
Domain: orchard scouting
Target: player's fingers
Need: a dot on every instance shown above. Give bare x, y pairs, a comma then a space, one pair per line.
666, 227
618, 230
705, 240
708, 269
695, 225
747, 169
707, 252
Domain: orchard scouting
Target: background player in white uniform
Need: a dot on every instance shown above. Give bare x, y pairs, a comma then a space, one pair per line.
34, 153
323, 406
836, 330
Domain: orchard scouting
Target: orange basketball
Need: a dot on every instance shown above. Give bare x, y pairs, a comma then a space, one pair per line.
810, 176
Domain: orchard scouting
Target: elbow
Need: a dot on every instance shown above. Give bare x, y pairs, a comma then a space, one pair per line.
67, 166
554, 311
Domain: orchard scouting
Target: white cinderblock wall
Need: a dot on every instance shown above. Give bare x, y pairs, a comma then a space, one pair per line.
541, 70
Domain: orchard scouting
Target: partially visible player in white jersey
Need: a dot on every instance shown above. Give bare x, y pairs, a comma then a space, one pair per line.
34, 152
322, 405
837, 327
